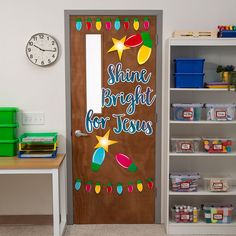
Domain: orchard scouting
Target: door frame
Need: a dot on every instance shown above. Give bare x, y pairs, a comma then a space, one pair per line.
159, 23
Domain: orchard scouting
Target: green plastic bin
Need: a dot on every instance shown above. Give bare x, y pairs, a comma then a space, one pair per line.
8, 115
8, 148
8, 131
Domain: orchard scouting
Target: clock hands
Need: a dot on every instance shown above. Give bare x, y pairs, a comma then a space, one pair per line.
45, 50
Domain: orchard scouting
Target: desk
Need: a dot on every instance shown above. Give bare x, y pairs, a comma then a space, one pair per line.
57, 168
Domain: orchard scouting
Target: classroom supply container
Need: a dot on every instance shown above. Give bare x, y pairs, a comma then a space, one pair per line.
187, 112
185, 145
8, 131
40, 138
8, 115
185, 214
217, 145
184, 182
217, 184
189, 65
220, 111
189, 80
8, 147
218, 213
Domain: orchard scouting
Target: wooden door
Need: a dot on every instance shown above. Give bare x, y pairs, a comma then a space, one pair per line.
114, 165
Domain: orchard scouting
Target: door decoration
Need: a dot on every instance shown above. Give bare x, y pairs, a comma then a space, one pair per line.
89, 24
108, 24
109, 188
117, 24
146, 23
136, 24
119, 188
77, 184
125, 162
88, 186
78, 24
150, 183
97, 188
98, 24
139, 185
126, 23
98, 159
130, 187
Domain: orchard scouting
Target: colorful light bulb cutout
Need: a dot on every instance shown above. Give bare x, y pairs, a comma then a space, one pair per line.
136, 24
97, 188
126, 23
88, 186
89, 23
125, 162
146, 23
117, 24
119, 188
140, 186
78, 24
109, 188
98, 159
133, 40
98, 24
146, 49
77, 184
130, 187
108, 23
150, 183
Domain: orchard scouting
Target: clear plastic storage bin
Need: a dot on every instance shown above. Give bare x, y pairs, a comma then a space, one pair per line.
217, 184
184, 182
185, 145
217, 145
187, 112
218, 213
220, 112
185, 214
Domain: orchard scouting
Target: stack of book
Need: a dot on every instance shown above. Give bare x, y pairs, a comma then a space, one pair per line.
38, 145
217, 85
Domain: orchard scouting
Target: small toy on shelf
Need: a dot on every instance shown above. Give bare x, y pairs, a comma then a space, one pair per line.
217, 145
227, 31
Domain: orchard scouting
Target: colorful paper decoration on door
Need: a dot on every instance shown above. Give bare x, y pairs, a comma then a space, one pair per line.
98, 159
126, 23
146, 23
119, 188
108, 23
133, 41
88, 186
89, 24
109, 188
98, 24
97, 188
77, 184
130, 187
150, 183
125, 162
140, 186
78, 24
118, 46
117, 24
136, 24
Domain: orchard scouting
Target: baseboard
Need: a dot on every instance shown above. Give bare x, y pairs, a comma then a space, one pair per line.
26, 219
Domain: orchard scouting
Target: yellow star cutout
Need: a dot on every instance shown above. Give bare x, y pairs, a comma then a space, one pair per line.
119, 46
104, 141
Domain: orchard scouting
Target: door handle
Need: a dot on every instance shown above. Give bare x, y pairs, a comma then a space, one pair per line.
78, 133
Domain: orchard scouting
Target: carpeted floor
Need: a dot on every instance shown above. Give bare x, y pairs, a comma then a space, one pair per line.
86, 230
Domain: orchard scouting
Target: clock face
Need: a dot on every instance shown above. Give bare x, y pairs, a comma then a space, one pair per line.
42, 49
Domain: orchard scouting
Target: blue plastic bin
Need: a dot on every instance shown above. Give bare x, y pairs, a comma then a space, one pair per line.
189, 65
189, 80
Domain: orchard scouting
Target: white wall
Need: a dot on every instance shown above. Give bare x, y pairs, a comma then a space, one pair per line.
33, 88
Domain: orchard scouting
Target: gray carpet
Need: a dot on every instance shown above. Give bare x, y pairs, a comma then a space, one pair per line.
86, 230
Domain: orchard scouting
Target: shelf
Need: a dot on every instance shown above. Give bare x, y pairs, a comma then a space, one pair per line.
201, 90
202, 228
202, 154
203, 42
203, 122
203, 192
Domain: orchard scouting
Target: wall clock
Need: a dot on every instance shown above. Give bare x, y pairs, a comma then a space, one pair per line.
42, 49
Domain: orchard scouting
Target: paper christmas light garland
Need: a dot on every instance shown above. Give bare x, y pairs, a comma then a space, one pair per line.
98, 159
134, 40
119, 186
117, 23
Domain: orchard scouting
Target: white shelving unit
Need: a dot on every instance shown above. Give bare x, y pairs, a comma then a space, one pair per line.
216, 52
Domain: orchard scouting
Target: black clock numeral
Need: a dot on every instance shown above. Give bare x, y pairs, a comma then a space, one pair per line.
48, 38
31, 43
35, 38
31, 56
53, 42
49, 61
29, 49
55, 49
42, 62
41, 36
36, 60
53, 55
